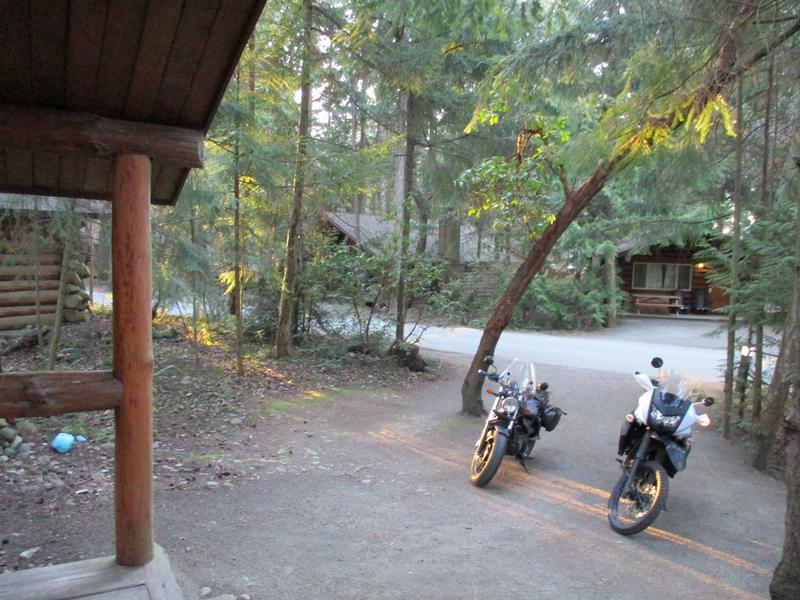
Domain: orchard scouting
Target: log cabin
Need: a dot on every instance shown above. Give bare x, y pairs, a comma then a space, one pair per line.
32, 243
667, 279
111, 100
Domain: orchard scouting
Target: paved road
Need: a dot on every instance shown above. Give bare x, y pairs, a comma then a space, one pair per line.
689, 346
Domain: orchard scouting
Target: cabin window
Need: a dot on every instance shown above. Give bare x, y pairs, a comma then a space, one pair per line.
662, 276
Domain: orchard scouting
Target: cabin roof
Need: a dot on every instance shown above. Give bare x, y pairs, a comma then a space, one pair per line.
374, 230
153, 62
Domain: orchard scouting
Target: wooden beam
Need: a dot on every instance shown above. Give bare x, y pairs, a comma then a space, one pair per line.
38, 129
133, 358
50, 393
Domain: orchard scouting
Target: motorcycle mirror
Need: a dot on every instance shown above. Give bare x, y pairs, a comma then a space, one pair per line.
709, 401
488, 360
657, 363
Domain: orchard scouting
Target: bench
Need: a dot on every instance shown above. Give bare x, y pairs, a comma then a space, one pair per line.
660, 302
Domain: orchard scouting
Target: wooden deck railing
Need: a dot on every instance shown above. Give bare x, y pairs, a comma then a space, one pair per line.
51, 393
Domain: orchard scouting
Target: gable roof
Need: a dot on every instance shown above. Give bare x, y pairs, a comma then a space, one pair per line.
371, 231
152, 62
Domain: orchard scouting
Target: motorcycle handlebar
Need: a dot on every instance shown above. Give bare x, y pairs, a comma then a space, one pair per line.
491, 376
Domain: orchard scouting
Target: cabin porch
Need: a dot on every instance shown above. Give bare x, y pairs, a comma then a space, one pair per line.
94, 579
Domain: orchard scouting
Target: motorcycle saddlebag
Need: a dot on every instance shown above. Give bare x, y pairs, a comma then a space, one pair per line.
551, 417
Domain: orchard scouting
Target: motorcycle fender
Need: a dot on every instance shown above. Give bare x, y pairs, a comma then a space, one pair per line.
677, 455
502, 430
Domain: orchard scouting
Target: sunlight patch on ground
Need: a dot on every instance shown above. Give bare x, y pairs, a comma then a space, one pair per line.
560, 491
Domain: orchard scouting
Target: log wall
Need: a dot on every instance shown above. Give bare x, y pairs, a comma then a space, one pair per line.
20, 292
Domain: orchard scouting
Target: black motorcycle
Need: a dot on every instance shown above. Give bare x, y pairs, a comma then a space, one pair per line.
521, 409
654, 444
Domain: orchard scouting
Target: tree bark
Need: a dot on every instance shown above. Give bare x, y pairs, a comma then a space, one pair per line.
501, 315
237, 246
773, 413
742, 377
736, 237
406, 190
785, 583
726, 71
758, 369
611, 286
36, 232
283, 333
69, 233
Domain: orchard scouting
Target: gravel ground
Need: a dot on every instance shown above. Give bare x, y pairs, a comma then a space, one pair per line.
365, 494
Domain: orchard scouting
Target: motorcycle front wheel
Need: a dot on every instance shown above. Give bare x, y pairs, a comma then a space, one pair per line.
642, 503
487, 458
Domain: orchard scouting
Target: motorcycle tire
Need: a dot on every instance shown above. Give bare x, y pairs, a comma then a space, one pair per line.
647, 497
487, 458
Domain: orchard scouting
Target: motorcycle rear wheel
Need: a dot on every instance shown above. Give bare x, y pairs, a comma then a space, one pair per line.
643, 502
487, 458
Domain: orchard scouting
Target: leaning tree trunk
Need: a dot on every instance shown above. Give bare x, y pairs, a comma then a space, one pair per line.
501, 315
726, 71
785, 583
283, 333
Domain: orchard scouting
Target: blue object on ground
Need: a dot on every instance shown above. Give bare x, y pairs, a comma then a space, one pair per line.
63, 442
80, 438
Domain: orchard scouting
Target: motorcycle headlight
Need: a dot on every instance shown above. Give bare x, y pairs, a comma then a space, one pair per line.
658, 419
509, 404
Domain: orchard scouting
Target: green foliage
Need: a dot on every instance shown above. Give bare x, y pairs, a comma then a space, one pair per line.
562, 304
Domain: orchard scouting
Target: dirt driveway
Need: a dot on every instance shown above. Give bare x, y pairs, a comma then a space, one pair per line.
366, 495
374, 502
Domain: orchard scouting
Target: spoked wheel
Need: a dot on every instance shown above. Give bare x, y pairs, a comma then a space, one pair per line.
642, 502
487, 458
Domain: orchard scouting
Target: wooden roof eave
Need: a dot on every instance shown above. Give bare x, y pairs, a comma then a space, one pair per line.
145, 70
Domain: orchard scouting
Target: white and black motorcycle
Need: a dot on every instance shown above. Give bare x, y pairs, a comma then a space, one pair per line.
654, 443
521, 409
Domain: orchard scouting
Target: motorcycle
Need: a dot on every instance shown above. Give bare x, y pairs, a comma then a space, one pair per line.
521, 409
654, 443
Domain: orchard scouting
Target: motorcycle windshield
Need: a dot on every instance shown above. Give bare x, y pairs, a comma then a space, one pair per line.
675, 386
521, 373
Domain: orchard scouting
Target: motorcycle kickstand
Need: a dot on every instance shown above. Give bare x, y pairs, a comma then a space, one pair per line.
521, 461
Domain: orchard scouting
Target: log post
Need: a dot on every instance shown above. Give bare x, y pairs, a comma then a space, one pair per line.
133, 357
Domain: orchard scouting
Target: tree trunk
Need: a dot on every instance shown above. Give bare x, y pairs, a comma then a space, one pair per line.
766, 206
193, 233
403, 194
758, 369
36, 232
734, 268
237, 246
283, 333
742, 376
773, 413
501, 315
383, 202
726, 71
424, 214
785, 583
611, 285
62, 286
